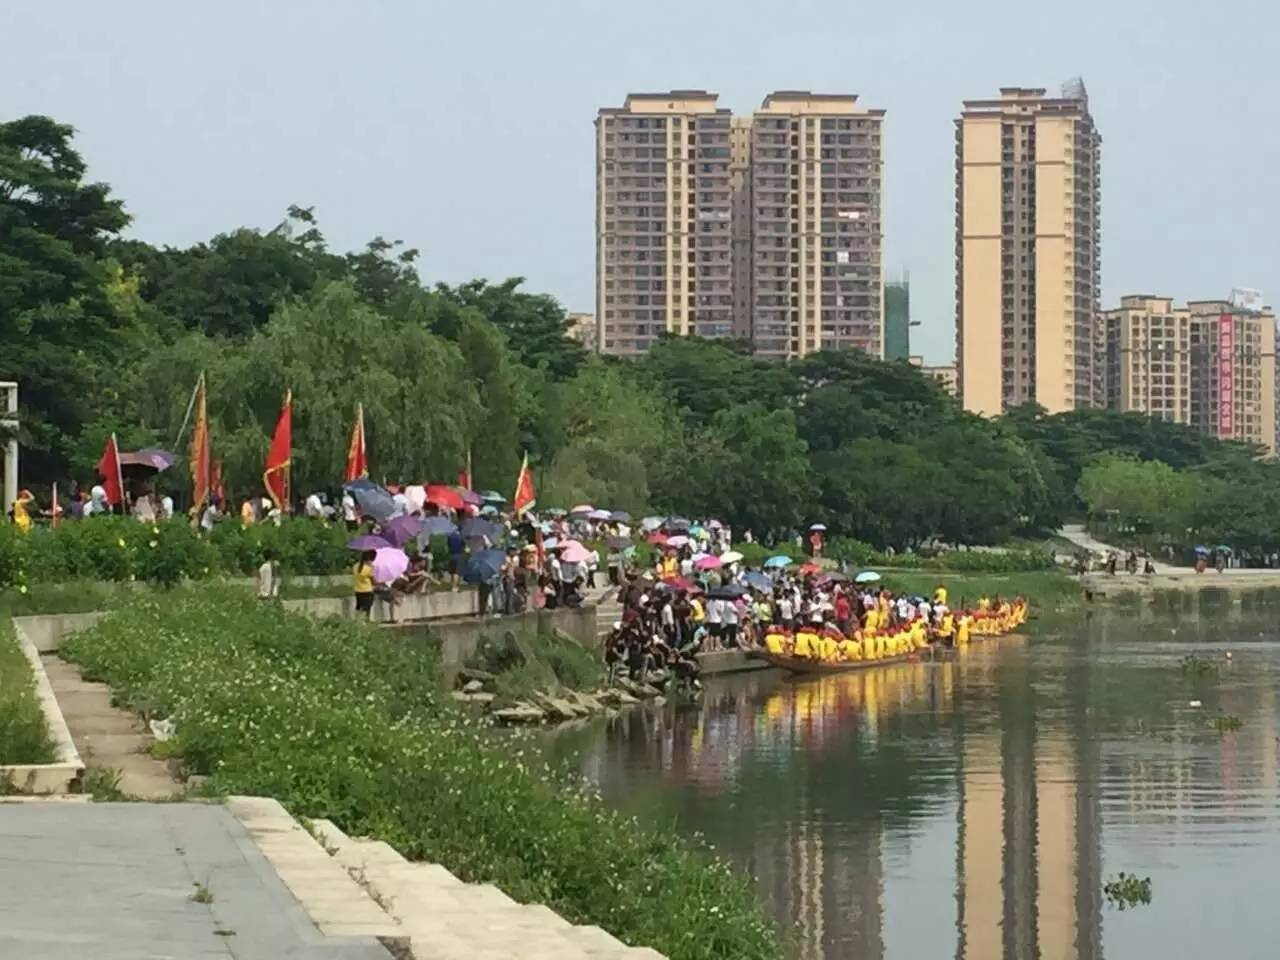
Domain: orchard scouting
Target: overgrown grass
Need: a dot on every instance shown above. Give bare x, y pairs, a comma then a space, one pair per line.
24, 736
338, 720
543, 662
1045, 589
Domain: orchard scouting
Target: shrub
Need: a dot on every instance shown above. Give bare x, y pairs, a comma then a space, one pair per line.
337, 721
24, 738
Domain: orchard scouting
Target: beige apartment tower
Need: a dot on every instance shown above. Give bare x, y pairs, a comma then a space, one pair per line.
664, 243
1210, 365
765, 227
816, 234
1028, 236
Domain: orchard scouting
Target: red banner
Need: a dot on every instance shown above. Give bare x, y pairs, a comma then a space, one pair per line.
525, 497
1226, 375
276, 476
357, 461
109, 468
198, 454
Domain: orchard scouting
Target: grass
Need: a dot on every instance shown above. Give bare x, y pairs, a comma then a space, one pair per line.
1126, 890
24, 736
337, 720
202, 894
1045, 589
103, 784
544, 662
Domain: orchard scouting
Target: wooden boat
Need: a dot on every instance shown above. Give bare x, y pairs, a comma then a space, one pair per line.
801, 665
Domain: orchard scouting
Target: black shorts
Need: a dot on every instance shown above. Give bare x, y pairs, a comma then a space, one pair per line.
364, 602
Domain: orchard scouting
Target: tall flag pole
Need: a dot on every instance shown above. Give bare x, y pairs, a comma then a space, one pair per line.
525, 497
109, 468
199, 454
357, 459
464, 476
279, 457
55, 511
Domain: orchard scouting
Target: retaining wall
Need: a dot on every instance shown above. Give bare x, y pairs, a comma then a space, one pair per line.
56, 777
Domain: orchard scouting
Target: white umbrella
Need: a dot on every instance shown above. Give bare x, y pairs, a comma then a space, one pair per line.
868, 576
416, 496
730, 556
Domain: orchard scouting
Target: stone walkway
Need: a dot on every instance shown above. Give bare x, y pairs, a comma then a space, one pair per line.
108, 737
130, 881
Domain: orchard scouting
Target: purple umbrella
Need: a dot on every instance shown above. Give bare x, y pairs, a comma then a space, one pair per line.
437, 526
368, 541
145, 462
389, 563
471, 497
402, 529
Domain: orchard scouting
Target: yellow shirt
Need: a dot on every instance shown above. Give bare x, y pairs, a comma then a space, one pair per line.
362, 577
773, 643
851, 649
696, 613
940, 595
20, 515
984, 602
805, 644
873, 621
246, 513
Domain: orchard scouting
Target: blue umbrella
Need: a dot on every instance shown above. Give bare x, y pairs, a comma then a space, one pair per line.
677, 523
620, 516
475, 527
1202, 549
549, 543
779, 561
489, 510
437, 527
361, 483
493, 496
758, 580
651, 523
402, 529
483, 566
867, 576
375, 503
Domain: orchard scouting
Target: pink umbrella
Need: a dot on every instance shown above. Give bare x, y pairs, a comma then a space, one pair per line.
571, 543
678, 541
582, 508
576, 553
389, 563
708, 563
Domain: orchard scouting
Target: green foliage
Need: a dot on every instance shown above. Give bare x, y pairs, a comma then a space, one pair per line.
337, 722
1138, 492
1126, 890
1226, 723
544, 662
1196, 666
24, 737
167, 552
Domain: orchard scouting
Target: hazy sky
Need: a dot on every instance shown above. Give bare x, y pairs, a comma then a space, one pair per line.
465, 128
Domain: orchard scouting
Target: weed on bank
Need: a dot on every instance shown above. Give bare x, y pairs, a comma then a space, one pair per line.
338, 720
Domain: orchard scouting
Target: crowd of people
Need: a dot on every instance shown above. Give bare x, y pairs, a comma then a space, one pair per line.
810, 613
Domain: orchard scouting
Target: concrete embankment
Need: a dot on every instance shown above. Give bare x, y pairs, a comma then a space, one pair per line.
1102, 586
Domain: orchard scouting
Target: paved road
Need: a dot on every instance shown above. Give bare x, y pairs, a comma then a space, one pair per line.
1081, 537
115, 881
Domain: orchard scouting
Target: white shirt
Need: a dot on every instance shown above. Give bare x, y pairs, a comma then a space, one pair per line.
668, 616
402, 504
715, 611
208, 518
785, 610
348, 508
730, 613
166, 507
313, 507
686, 567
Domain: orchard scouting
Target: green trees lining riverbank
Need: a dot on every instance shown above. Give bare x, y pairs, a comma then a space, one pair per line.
106, 334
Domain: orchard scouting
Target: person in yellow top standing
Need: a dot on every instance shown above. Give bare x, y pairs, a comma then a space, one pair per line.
984, 603
940, 595
850, 649
947, 629
247, 512
21, 515
871, 622
362, 583
962, 630
774, 643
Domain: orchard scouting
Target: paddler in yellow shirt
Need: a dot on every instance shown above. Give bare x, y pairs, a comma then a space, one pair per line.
962, 630
807, 643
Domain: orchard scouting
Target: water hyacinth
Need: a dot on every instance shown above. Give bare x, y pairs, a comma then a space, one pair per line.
340, 720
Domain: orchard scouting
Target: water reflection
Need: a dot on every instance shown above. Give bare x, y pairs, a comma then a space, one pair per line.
966, 808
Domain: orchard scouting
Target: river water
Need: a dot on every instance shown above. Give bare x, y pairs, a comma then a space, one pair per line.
974, 808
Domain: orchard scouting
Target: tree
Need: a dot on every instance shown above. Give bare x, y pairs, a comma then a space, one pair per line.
536, 326
56, 318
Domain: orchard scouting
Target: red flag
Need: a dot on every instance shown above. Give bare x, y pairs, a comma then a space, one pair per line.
540, 548
109, 468
525, 498
464, 476
215, 482
276, 476
198, 454
357, 462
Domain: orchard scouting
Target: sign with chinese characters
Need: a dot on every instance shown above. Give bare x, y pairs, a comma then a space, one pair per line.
1226, 375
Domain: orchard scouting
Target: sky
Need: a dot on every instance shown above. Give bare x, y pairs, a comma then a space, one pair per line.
465, 128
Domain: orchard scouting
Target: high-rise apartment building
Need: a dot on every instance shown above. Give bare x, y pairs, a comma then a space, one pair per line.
1146, 362
764, 227
1028, 235
1210, 365
897, 319
1233, 388
664, 243
816, 231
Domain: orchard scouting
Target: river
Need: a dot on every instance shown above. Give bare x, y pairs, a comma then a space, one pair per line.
974, 808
